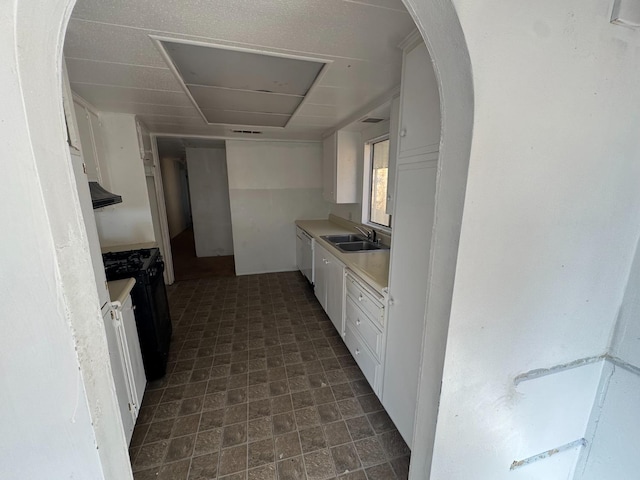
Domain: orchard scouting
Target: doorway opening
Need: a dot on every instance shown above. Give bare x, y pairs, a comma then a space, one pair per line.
196, 196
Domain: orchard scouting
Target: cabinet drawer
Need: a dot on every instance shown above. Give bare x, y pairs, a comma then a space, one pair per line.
366, 300
365, 360
362, 324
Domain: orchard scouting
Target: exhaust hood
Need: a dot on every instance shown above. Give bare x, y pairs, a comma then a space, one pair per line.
101, 197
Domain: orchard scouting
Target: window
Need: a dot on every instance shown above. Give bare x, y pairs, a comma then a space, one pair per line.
377, 188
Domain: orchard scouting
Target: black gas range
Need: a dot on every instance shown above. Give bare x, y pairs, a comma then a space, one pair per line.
149, 298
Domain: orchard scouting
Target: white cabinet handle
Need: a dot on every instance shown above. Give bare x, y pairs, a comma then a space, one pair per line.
357, 351
360, 298
358, 322
390, 301
403, 132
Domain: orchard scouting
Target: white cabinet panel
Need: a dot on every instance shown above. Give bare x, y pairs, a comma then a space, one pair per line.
329, 285
339, 167
394, 122
363, 357
409, 271
419, 126
133, 355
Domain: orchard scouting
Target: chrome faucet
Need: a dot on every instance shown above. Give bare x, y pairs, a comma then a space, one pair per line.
370, 234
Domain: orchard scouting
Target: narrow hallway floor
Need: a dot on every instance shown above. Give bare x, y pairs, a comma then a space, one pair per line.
261, 387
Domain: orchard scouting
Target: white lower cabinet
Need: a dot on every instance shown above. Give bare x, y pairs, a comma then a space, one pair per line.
126, 362
364, 329
329, 285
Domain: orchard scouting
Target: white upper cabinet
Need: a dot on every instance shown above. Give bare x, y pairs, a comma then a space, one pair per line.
393, 153
86, 142
339, 167
419, 126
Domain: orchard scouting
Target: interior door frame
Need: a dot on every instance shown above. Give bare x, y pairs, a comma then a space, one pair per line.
169, 275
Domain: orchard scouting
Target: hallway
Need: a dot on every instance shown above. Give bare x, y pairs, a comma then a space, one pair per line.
261, 387
187, 266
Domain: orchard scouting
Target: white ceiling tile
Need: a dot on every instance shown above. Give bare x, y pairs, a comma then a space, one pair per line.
329, 27
219, 67
111, 43
389, 4
91, 71
169, 120
245, 118
309, 121
364, 74
226, 99
146, 109
96, 94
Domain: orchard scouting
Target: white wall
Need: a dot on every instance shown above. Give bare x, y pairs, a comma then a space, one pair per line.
56, 391
130, 221
209, 193
615, 424
551, 219
272, 184
174, 195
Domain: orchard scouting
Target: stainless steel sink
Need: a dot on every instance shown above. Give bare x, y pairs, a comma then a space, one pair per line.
361, 246
352, 237
353, 243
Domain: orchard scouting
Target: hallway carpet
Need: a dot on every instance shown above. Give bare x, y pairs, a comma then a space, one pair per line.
261, 387
187, 266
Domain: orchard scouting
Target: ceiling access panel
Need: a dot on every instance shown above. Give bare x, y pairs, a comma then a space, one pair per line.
238, 69
230, 117
241, 100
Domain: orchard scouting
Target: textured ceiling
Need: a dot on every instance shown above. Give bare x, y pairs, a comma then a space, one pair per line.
115, 65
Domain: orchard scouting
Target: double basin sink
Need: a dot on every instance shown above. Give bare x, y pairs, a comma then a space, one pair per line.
353, 243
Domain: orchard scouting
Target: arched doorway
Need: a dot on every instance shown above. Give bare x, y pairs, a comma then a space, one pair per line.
39, 36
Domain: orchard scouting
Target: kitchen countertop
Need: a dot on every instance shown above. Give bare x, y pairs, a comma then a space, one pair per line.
119, 289
131, 246
372, 267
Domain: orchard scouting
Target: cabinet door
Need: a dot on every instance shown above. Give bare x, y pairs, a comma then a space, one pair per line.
409, 271
86, 141
113, 329
420, 105
345, 177
299, 254
320, 275
335, 292
137, 378
329, 168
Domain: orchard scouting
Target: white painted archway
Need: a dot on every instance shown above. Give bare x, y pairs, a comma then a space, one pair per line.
34, 127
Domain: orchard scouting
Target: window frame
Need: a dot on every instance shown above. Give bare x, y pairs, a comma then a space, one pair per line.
367, 186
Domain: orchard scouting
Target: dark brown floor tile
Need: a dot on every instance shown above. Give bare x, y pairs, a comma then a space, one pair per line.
233, 460
260, 429
190, 406
380, 421
166, 410
329, 412
345, 458
159, 431
319, 465
380, 472
265, 472
401, 467
370, 403
258, 392
279, 387
172, 394
393, 444
175, 471
370, 451
307, 417
361, 387
312, 439
204, 467
208, 442
234, 435
350, 408
151, 455
195, 389
359, 428
323, 395
139, 434
237, 396
342, 391
259, 408
302, 399
281, 404
291, 469
261, 453
214, 401
179, 448
186, 425
236, 414
287, 445
211, 419
283, 423
337, 433
318, 380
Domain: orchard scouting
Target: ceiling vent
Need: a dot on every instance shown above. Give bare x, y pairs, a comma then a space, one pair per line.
239, 87
250, 132
372, 120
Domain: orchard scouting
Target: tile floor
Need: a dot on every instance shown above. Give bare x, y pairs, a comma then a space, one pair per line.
261, 387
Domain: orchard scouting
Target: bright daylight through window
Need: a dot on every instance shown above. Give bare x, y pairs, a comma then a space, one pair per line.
378, 183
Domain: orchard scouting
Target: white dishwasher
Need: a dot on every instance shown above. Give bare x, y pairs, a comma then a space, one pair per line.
304, 253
